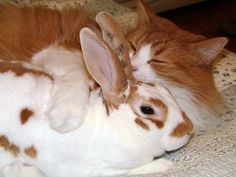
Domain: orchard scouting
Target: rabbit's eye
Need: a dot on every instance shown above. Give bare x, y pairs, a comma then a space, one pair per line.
147, 110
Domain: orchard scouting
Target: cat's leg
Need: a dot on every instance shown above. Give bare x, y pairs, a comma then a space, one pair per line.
70, 91
157, 166
21, 170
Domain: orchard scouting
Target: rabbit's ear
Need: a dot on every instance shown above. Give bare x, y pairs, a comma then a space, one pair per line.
115, 37
103, 65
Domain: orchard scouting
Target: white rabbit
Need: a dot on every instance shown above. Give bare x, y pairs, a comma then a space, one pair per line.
125, 125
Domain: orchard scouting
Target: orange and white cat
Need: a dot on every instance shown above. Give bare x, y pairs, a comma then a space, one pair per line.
161, 52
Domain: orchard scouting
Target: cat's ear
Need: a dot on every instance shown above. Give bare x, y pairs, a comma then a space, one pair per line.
103, 65
145, 13
210, 48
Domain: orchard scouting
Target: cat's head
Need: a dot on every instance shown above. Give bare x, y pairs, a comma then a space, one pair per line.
162, 52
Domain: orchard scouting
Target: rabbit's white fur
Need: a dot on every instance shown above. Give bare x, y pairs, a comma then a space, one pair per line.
70, 96
105, 144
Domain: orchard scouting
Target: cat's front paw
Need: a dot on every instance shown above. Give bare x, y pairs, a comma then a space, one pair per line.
21, 170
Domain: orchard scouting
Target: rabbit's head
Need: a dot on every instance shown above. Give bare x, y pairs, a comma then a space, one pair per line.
150, 108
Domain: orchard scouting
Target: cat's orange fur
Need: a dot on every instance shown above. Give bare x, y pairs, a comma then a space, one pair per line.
26, 30
178, 56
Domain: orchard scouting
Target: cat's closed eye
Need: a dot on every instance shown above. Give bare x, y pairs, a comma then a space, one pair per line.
155, 61
133, 48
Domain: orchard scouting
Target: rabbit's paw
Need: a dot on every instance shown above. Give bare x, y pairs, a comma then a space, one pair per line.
63, 120
156, 166
21, 170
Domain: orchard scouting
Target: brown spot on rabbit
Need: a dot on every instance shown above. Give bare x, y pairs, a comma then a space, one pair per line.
20, 70
163, 108
25, 114
31, 151
4, 142
183, 128
14, 149
159, 124
139, 122
10, 147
